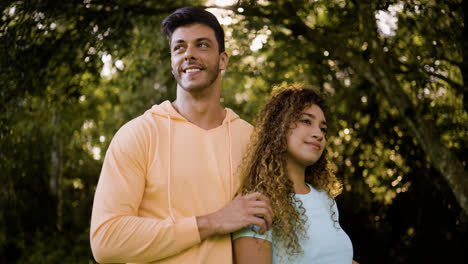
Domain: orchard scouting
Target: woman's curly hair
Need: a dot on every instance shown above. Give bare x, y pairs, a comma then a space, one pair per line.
264, 166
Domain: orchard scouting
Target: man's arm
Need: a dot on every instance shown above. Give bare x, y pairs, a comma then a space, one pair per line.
118, 235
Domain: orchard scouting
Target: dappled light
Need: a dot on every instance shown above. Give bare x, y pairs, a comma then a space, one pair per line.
73, 72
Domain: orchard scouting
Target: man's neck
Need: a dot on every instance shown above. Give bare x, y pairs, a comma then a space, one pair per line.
204, 112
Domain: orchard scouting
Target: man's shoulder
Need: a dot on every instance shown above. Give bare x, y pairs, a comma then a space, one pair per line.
242, 129
143, 124
244, 124
239, 121
137, 123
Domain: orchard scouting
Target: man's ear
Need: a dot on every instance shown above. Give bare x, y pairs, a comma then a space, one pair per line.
223, 60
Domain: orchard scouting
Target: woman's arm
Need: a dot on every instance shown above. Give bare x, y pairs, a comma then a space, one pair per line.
248, 250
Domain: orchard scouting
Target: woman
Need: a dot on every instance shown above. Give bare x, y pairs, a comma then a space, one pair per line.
286, 161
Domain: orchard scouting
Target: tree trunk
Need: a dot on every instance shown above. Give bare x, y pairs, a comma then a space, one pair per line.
464, 64
444, 160
55, 181
381, 75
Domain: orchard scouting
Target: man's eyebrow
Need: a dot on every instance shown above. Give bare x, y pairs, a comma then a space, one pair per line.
314, 117
178, 41
203, 39
197, 40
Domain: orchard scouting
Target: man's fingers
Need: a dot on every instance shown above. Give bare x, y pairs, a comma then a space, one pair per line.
262, 205
254, 196
262, 197
262, 213
259, 205
259, 222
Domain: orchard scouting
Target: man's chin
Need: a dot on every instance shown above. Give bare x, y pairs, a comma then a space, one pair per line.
192, 87
195, 84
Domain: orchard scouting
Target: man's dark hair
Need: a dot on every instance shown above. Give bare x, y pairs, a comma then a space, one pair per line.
193, 15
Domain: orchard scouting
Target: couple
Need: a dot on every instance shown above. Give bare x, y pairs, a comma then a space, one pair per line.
170, 191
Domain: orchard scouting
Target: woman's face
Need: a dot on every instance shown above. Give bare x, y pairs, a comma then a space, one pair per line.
307, 137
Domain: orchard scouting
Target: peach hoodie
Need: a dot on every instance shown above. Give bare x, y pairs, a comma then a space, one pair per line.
161, 171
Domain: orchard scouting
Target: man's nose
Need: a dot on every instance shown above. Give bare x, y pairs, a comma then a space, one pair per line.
190, 53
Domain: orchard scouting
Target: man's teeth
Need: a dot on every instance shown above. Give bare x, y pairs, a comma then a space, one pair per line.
192, 70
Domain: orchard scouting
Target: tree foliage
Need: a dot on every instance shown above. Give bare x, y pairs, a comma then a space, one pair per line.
72, 72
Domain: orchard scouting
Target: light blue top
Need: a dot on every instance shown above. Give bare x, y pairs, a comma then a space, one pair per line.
326, 242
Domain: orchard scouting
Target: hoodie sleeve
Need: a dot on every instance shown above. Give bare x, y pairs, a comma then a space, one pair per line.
117, 233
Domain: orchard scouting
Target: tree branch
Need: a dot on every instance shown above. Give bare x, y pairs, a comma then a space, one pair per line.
381, 75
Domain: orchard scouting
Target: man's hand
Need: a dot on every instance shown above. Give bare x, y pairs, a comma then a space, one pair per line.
242, 211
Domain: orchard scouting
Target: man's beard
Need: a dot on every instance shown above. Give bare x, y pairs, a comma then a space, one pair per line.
211, 72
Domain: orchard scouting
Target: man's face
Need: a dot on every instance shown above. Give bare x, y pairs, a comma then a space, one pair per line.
195, 58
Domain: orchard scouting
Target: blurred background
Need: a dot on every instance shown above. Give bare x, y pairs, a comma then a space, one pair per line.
72, 72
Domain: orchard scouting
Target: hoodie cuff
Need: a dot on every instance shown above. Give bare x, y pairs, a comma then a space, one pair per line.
188, 230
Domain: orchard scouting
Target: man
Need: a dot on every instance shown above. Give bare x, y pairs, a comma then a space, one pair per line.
165, 190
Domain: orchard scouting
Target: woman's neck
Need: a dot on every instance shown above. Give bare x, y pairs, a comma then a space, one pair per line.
296, 173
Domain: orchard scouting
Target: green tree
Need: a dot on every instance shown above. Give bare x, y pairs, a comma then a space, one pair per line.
418, 68
72, 72
60, 107
397, 97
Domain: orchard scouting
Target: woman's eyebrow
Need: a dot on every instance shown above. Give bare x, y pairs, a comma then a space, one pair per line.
314, 117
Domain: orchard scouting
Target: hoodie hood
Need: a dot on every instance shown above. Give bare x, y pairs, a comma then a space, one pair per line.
165, 109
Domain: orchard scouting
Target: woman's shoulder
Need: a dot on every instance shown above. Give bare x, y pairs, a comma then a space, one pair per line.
253, 231
313, 192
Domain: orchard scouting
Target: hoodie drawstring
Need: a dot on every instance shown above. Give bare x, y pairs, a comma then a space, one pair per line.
231, 178
171, 213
